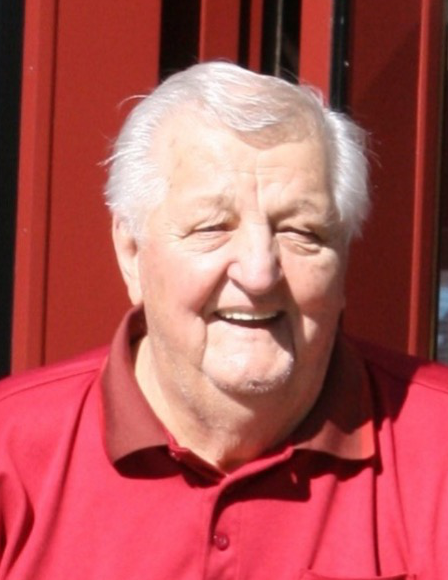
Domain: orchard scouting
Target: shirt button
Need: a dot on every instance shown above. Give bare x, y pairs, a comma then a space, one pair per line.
221, 541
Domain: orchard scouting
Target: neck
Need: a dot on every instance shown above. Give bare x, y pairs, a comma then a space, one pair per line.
224, 430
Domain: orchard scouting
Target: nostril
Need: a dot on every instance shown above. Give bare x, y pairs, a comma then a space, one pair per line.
254, 276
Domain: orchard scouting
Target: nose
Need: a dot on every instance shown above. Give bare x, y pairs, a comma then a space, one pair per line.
255, 266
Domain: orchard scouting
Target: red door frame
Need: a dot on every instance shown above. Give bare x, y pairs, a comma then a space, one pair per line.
81, 60
395, 91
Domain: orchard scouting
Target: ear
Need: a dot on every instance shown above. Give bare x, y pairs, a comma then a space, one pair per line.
127, 252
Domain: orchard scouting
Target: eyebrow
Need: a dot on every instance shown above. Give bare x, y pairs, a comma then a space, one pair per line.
299, 207
219, 201
224, 201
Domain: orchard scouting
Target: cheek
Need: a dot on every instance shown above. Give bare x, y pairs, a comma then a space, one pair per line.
175, 280
318, 285
157, 281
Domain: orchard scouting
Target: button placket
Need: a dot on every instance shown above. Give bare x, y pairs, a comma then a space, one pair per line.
224, 534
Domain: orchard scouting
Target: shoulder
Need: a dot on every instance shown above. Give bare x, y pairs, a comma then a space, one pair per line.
409, 397
410, 406
404, 369
409, 393
42, 414
45, 387
40, 410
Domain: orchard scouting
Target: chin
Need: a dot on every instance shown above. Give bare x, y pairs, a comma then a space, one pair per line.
250, 383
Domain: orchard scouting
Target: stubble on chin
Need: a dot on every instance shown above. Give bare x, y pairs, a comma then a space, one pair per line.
241, 381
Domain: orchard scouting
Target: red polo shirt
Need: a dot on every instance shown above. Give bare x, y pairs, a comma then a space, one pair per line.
93, 487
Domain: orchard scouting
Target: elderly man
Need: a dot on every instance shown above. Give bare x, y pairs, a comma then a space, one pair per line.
230, 432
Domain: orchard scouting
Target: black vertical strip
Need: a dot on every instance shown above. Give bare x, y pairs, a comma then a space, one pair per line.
11, 25
244, 33
289, 61
280, 38
179, 44
340, 55
270, 29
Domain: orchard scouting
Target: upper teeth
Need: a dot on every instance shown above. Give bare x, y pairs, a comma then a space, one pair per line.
247, 316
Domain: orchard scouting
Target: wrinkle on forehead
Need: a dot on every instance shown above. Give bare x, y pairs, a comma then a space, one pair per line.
190, 151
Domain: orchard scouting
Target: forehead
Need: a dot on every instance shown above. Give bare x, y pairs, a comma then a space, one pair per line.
195, 155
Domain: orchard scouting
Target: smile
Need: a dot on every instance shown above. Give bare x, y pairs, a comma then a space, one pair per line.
239, 316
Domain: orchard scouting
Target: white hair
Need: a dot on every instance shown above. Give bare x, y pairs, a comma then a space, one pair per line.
251, 104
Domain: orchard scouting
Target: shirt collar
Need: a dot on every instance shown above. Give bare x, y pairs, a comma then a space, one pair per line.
340, 423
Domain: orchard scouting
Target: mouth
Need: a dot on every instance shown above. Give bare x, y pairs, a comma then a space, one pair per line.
249, 319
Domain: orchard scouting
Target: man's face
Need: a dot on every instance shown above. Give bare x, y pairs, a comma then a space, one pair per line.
242, 265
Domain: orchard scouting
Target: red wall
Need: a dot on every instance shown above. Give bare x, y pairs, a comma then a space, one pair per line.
83, 59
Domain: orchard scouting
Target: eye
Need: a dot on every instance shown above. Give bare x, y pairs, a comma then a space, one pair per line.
300, 240
210, 236
300, 234
212, 228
